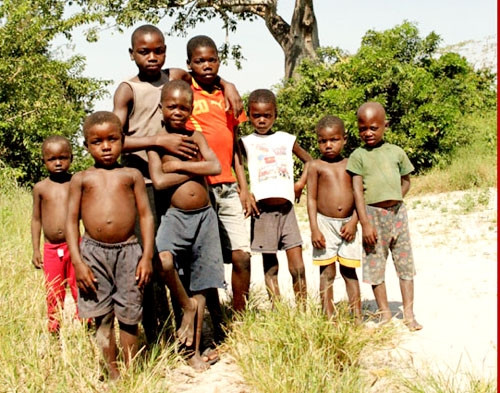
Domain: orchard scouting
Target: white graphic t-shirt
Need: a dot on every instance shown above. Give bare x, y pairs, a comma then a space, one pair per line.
270, 164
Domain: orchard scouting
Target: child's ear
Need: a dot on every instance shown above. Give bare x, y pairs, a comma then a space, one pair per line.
71, 158
386, 124
188, 65
131, 53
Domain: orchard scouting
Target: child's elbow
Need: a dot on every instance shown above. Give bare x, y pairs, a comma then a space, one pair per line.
216, 169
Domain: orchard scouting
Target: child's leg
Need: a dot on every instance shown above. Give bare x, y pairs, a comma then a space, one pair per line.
214, 308
69, 274
240, 278
353, 291
298, 272
380, 293
196, 360
53, 269
169, 274
105, 338
128, 341
271, 267
326, 277
407, 295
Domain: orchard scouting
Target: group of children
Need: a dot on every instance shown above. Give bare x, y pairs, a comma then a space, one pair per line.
190, 189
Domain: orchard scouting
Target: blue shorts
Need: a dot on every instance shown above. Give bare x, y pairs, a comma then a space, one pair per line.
114, 266
192, 237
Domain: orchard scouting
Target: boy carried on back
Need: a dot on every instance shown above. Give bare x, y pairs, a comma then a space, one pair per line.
110, 268
50, 198
381, 178
332, 216
188, 237
270, 167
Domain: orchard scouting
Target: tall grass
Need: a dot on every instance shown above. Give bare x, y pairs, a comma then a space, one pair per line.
473, 165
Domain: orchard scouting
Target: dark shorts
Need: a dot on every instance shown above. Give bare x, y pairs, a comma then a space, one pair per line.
393, 234
275, 229
114, 266
192, 237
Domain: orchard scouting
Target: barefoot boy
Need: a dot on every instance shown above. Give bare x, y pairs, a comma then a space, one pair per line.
136, 103
50, 198
270, 167
188, 237
381, 178
332, 217
111, 269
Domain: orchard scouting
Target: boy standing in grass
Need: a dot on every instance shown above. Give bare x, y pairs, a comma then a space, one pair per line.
381, 178
270, 166
229, 195
188, 238
332, 216
50, 197
111, 269
136, 103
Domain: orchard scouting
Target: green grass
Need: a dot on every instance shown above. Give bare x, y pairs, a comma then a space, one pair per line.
473, 165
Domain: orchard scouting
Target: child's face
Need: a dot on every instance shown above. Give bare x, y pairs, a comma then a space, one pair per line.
104, 142
204, 64
149, 53
371, 126
262, 116
331, 141
57, 157
176, 107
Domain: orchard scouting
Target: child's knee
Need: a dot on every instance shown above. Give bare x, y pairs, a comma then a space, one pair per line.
348, 272
297, 273
327, 273
240, 260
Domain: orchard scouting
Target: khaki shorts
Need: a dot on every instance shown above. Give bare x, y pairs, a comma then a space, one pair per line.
232, 229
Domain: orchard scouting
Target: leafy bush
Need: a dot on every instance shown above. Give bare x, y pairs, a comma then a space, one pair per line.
425, 96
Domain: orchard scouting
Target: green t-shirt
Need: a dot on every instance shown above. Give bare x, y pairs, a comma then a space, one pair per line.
381, 168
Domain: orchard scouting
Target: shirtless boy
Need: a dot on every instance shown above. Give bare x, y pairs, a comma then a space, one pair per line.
332, 216
50, 197
111, 269
188, 237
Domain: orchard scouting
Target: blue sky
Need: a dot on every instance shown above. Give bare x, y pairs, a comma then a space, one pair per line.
341, 23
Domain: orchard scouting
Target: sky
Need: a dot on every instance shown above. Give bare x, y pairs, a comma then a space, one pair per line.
340, 23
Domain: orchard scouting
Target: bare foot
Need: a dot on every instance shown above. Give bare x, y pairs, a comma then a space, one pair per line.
197, 363
412, 325
185, 333
210, 356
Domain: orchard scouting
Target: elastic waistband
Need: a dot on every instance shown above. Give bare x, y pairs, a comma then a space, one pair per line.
191, 211
390, 208
334, 218
54, 246
129, 242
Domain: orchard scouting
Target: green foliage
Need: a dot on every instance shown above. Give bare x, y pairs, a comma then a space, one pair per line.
425, 96
40, 95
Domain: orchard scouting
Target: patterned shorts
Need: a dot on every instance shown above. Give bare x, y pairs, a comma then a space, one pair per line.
393, 234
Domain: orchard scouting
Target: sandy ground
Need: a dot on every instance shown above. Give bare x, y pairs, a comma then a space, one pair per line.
454, 237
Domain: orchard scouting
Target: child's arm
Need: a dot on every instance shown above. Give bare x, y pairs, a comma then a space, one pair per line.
301, 183
405, 184
36, 228
159, 177
247, 201
317, 238
369, 232
181, 145
84, 277
232, 98
144, 267
305, 157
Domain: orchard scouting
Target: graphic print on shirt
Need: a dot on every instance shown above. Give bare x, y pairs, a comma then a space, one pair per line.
271, 162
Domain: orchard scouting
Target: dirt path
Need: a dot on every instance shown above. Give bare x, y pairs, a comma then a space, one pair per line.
454, 237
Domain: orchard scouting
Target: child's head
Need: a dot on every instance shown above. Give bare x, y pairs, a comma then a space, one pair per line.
176, 104
148, 49
203, 59
103, 137
262, 110
57, 154
371, 123
331, 136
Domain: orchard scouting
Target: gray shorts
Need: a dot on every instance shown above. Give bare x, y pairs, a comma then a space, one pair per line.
233, 231
275, 229
114, 266
192, 237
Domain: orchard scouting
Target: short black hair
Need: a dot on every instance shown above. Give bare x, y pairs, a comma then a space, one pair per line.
145, 29
56, 139
330, 121
265, 96
197, 42
101, 117
177, 84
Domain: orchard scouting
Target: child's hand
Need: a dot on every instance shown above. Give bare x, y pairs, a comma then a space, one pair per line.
318, 240
248, 203
143, 272
348, 231
177, 144
369, 234
297, 189
232, 99
85, 278
37, 260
